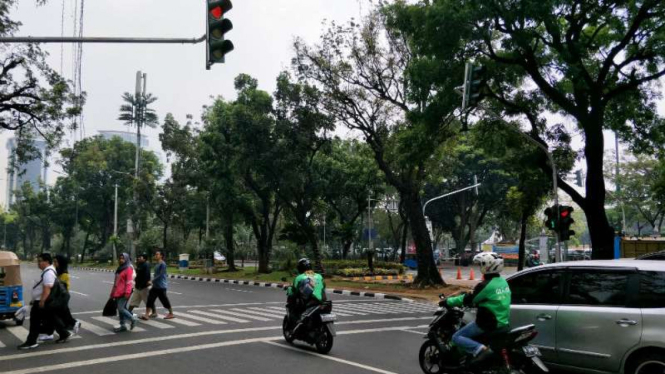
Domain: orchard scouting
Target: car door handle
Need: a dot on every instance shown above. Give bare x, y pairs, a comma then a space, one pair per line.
543, 317
626, 322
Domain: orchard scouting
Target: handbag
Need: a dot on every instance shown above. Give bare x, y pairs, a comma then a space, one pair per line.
111, 308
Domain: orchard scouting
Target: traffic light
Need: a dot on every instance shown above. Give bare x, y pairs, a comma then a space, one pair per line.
565, 221
552, 218
218, 25
474, 79
578, 178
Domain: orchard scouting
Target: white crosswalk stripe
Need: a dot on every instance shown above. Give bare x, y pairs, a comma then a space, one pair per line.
180, 316
113, 322
225, 313
156, 324
20, 332
258, 313
218, 316
183, 322
357, 309
99, 331
348, 311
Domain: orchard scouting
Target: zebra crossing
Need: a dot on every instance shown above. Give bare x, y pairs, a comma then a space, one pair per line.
11, 336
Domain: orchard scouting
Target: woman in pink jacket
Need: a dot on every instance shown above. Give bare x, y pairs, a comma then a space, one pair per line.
122, 290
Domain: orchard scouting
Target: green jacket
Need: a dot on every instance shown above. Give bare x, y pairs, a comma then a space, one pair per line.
309, 284
492, 297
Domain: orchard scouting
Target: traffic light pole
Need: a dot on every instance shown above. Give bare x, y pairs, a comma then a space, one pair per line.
72, 39
558, 254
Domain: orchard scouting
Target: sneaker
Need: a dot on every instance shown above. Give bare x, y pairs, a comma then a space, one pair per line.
45, 338
133, 323
26, 346
63, 339
77, 326
120, 328
482, 357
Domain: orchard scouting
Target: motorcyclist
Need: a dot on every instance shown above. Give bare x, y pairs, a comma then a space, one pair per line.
492, 298
308, 290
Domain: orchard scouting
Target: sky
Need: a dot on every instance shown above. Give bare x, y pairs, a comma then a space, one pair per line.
263, 36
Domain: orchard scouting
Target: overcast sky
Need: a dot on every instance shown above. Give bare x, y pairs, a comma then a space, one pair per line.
263, 35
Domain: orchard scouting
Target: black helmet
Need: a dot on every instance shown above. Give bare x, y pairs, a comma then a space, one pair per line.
304, 265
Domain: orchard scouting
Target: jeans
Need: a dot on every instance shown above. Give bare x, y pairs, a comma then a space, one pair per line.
464, 339
123, 313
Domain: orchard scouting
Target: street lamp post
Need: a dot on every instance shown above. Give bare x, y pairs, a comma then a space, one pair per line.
115, 223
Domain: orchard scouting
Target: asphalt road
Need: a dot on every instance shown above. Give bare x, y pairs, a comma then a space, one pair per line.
219, 328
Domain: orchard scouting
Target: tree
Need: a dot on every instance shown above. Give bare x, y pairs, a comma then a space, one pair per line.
374, 83
96, 165
65, 205
638, 179
34, 98
595, 63
350, 176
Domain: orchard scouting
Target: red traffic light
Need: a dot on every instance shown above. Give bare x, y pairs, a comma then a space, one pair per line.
216, 13
564, 213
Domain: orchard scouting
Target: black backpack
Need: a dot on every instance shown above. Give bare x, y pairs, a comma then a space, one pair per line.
59, 297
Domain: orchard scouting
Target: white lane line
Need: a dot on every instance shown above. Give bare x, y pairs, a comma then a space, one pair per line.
331, 358
195, 306
75, 277
198, 318
113, 322
155, 324
135, 356
258, 313
187, 336
183, 322
348, 310
2, 345
99, 331
415, 332
20, 332
398, 309
224, 314
107, 282
173, 292
370, 310
78, 293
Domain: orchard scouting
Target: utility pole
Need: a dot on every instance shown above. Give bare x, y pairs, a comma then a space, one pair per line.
618, 186
370, 247
115, 223
139, 111
324, 232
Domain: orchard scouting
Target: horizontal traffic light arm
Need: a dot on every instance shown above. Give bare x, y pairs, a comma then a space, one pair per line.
101, 39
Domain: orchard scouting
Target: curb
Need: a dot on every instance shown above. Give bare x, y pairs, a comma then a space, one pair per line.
375, 295
381, 277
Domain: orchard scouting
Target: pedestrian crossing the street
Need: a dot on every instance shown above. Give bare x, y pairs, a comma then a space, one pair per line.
98, 326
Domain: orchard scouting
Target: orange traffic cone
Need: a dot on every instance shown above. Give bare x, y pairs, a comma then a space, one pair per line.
459, 273
471, 275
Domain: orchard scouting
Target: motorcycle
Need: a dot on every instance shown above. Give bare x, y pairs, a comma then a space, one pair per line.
512, 351
533, 260
314, 327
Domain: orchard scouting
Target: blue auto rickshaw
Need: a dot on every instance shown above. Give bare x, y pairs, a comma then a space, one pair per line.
11, 288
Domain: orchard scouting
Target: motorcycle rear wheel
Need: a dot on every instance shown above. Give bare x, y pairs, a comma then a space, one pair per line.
324, 342
288, 334
430, 358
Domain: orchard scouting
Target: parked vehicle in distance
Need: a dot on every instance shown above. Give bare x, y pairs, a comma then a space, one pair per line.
660, 256
11, 288
595, 316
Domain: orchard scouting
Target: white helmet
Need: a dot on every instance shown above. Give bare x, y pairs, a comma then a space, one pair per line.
489, 262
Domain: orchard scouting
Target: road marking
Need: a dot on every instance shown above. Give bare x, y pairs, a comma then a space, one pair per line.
331, 358
194, 335
20, 332
156, 324
78, 293
348, 310
258, 313
173, 292
2, 345
107, 282
114, 323
196, 306
180, 321
99, 331
415, 332
198, 318
217, 314
243, 315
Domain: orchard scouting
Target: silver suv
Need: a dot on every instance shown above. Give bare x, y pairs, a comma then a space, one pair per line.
601, 316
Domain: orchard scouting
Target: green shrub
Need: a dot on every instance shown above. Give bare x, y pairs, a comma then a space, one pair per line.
334, 266
361, 272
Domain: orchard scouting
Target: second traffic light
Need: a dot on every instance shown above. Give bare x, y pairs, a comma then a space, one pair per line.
552, 218
565, 221
218, 26
474, 79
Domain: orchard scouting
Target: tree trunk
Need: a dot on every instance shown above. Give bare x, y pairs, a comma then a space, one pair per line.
602, 234
428, 274
228, 236
370, 261
85, 246
522, 247
405, 233
346, 248
164, 237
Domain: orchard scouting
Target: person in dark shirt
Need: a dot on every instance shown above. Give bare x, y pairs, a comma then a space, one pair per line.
141, 283
158, 290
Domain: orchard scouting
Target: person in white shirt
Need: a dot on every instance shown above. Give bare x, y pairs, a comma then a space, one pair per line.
38, 311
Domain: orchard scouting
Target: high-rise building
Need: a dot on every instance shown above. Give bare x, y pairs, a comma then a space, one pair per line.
124, 135
34, 171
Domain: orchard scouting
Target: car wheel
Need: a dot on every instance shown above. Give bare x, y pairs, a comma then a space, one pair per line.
650, 363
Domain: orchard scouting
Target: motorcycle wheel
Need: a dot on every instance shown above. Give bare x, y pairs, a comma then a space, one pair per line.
288, 334
430, 358
324, 342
